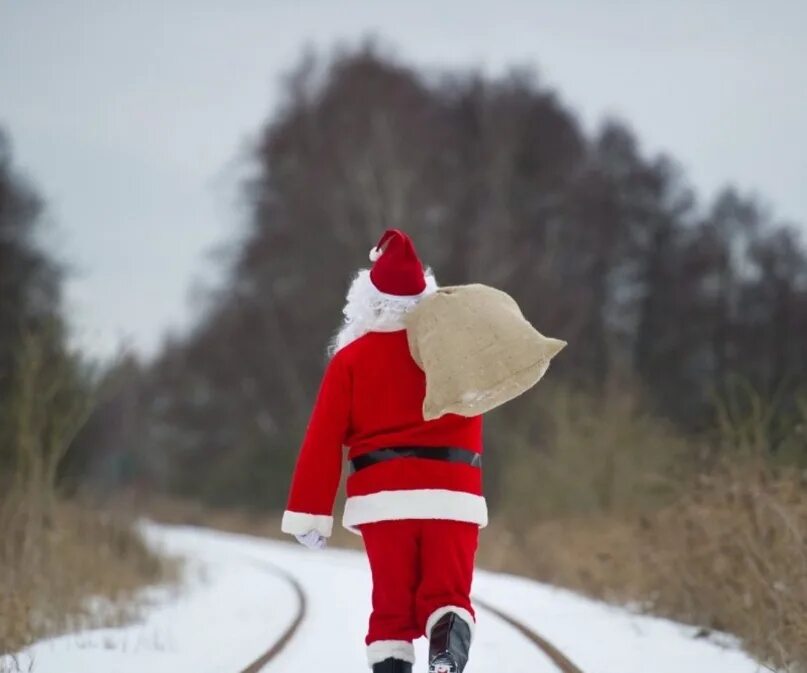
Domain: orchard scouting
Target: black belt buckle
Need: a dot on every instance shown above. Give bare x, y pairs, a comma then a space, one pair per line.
449, 454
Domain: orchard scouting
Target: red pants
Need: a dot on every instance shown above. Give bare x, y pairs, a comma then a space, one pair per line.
420, 567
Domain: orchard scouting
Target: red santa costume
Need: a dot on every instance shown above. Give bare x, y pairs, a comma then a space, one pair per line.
415, 488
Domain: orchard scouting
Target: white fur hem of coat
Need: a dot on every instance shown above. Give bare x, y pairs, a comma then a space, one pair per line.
380, 650
426, 503
299, 523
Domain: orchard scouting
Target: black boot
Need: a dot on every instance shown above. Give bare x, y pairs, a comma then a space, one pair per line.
449, 644
392, 666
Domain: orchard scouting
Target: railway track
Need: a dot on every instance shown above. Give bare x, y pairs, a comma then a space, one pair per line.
563, 663
560, 660
302, 608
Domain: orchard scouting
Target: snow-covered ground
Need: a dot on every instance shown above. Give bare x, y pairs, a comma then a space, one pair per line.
233, 607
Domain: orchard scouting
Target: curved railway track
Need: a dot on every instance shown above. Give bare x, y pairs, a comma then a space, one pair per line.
563, 663
560, 660
302, 607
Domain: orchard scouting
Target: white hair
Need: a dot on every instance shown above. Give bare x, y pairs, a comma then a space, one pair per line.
367, 309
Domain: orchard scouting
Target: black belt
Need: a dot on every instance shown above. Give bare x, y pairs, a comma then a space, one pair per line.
450, 454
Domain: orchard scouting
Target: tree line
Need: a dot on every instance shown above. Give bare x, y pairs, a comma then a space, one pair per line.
497, 182
43, 385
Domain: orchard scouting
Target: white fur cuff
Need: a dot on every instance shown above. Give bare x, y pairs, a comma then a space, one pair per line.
299, 523
462, 613
386, 649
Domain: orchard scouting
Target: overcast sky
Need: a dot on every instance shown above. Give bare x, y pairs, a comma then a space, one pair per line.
132, 117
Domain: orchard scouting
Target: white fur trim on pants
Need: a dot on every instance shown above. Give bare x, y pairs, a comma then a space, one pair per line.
462, 613
299, 523
425, 503
380, 650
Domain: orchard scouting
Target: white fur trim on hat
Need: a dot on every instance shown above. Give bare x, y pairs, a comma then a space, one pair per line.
424, 503
462, 613
299, 523
375, 253
380, 650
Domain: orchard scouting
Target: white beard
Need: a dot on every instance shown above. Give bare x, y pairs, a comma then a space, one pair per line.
369, 310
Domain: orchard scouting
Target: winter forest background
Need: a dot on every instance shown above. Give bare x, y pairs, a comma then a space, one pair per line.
672, 430
682, 302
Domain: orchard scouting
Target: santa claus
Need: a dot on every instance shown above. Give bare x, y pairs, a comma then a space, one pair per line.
414, 491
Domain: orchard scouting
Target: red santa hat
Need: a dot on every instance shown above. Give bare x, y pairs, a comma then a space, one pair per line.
397, 270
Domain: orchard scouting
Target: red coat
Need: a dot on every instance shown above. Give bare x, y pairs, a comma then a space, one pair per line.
371, 396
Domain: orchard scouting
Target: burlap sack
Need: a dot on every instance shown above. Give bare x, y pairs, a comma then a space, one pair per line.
476, 349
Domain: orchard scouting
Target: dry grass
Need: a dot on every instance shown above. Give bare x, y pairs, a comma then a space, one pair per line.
616, 504
69, 569
567, 452
729, 555
63, 567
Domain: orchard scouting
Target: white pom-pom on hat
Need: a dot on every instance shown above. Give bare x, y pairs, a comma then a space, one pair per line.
375, 253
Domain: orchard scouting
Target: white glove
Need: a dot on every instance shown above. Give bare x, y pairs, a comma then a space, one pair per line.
312, 540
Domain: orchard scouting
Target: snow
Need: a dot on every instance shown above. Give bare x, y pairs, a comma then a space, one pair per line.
233, 605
